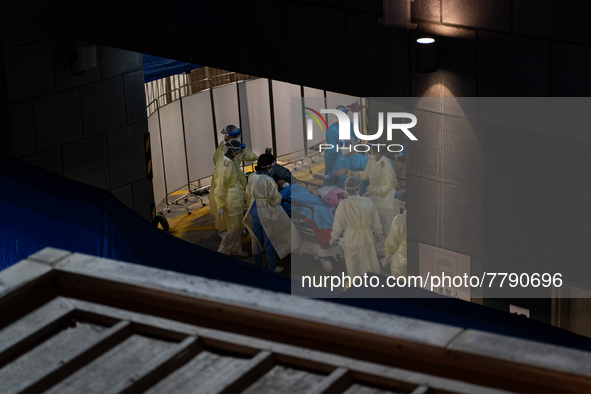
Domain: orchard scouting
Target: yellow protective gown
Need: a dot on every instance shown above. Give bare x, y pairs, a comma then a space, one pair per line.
221, 151
217, 156
228, 194
358, 216
396, 245
246, 156
382, 182
213, 209
276, 223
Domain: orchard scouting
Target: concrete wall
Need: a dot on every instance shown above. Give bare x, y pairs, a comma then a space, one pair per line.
510, 197
88, 127
489, 48
509, 47
334, 45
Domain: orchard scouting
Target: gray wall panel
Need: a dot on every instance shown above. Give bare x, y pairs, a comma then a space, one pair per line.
173, 147
256, 116
285, 125
314, 98
157, 161
199, 134
225, 99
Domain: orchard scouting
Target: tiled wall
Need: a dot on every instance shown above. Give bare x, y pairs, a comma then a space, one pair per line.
489, 47
502, 195
521, 47
88, 127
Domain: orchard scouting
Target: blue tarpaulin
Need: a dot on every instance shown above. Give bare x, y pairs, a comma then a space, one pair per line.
158, 67
44, 209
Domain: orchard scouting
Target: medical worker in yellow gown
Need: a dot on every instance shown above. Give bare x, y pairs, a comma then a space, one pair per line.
358, 216
396, 241
229, 200
382, 185
271, 226
230, 132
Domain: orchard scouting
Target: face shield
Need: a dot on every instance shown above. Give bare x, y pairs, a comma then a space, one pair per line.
235, 147
231, 132
353, 185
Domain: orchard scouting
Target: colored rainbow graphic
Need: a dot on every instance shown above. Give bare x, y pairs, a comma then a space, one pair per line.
317, 117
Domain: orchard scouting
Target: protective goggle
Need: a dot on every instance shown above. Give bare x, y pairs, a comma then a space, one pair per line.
231, 131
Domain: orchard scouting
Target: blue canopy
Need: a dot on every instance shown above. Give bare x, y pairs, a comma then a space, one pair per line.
158, 67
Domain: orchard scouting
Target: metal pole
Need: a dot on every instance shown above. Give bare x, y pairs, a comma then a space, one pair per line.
240, 118
360, 118
303, 104
162, 152
215, 129
185, 143
239, 115
272, 111
239, 112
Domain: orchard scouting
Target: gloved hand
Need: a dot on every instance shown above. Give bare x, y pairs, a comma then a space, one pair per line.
340, 171
221, 213
385, 261
333, 242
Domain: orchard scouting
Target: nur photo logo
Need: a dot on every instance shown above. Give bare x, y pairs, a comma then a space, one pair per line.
392, 120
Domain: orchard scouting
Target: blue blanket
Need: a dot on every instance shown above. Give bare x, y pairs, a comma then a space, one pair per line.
306, 204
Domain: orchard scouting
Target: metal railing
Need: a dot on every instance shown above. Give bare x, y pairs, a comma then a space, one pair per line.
296, 161
163, 90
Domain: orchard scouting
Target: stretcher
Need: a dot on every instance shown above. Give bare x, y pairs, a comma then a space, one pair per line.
313, 220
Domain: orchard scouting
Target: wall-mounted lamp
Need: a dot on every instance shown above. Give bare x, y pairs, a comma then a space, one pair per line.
84, 58
426, 55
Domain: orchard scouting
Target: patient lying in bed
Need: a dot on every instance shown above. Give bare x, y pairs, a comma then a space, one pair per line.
303, 205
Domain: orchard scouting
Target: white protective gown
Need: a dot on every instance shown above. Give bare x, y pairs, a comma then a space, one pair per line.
358, 216
276, 223
382, 182
396, 245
